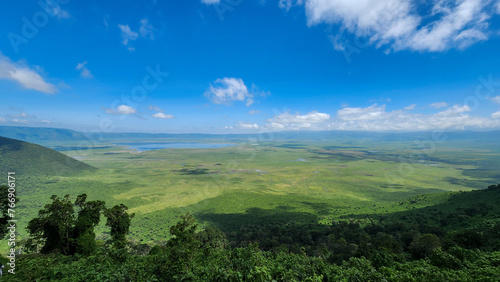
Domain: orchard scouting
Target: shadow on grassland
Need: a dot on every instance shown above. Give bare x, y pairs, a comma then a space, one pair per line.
453, 211
257, 217
192, 171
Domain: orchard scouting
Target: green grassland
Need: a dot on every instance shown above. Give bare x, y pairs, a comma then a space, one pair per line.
324, 179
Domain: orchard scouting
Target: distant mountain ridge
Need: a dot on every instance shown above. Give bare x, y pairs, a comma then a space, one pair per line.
40, 134
25, 158
45, 135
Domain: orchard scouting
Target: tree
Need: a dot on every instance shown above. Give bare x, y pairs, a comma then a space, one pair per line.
59, 230
180, 250
119, 221
88, 218
54, 225
424, 244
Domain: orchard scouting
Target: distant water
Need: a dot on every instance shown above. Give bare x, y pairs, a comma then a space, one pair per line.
143, 146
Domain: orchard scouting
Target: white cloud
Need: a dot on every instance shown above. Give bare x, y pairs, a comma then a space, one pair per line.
54, 9
21, 115
456, 109
163, 116
146, 29
254, 112
313, 121
121, 110
19, 120
3, 120
127, 35
459, 25
85, 72
45, 121
288, 4
370, 113
210, 2
439, 105
495, 99
126, 110
246, 125
410, 107
24, 75
228, 90
156, 109
377, 118
403, 24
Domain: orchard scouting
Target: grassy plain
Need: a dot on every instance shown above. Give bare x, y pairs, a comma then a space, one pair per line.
329, 180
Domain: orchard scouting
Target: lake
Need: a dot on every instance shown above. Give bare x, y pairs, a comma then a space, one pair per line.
145, 146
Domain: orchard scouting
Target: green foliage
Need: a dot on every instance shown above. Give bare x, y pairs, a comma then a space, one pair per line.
203, 256
424, 244
119, 220
59, 230
53, 228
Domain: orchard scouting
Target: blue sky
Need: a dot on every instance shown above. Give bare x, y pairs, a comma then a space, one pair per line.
234, 66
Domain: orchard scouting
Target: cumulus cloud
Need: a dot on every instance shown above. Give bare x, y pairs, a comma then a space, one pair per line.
495, 99
121, 110
410, 107
84, 71
163, 116
254, 112
45, 121
24, 75
246, 125
377, 118
403, 24
439, 105
161, 113
3, 120
369, 113
227, 90
313, 121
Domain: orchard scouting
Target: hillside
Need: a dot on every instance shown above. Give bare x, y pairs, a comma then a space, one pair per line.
40, 134
27, 158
